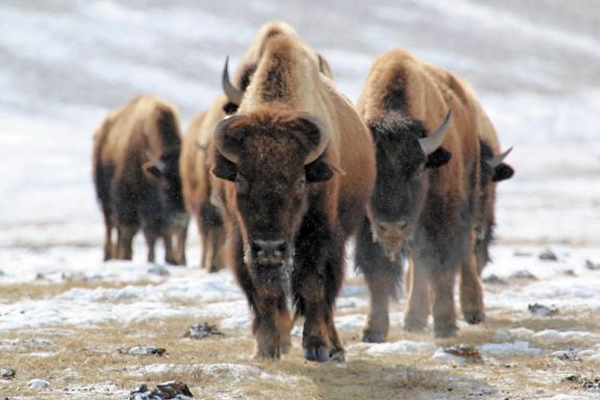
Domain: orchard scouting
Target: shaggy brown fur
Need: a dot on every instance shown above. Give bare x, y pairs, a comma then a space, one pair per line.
137, 192
269, 194
198, 184
436, 198
196, 179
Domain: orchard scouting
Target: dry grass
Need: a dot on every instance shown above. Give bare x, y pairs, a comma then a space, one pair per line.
84, 360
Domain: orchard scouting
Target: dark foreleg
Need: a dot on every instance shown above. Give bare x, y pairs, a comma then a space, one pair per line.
316, 281
383, 278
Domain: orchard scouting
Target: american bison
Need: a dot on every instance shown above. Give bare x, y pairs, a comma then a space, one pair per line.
136, 175
197, 181
427, 203
296, 167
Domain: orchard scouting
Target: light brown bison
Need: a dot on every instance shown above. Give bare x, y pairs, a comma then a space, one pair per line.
136, 175
196, 178
198, 185
296, 167
427, 201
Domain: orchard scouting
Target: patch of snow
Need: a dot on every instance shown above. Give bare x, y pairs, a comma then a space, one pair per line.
396, 348
553, 336
518, 347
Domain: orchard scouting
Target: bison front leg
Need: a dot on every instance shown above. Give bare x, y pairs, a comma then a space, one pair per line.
272, 322
383, 278
271, 326
212, 232
471, 291
444, 313
418, 306
318, 275
109, 248
125, 236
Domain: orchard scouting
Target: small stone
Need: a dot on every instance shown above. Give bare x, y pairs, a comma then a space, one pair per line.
470, 354
7, 373
173, 390
523, 275
566, 355
39, 276
541, 310
2, 273
494, 280
592, 266
159, 270
37, 384
548, 255
203, 331
521, 253
146, 350
569, 272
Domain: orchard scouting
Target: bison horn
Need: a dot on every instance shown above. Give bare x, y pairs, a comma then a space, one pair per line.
233, 94
157, 162
431, 143
494, 161
323, 137
219, 136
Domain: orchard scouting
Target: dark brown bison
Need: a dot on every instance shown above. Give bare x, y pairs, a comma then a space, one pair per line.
136, 175
296, 167
427, 202
196, 178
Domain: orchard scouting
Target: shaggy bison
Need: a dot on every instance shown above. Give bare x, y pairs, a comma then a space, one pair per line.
296, 167
136, 175
198, 183
428, 200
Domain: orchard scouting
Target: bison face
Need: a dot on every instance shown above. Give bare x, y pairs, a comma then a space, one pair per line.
273, 158
405, 154
165, 170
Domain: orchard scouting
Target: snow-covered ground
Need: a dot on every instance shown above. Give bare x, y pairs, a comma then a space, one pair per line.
64, 64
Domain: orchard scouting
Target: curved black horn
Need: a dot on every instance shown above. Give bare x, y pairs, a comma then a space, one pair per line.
494, 161
220, 139
430, 143
233, 94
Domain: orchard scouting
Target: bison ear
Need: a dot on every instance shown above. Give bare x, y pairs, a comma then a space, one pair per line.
438, 158
502, 172
152, 170
224, 168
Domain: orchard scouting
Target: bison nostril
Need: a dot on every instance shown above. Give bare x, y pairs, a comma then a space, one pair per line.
402, 223
269, 246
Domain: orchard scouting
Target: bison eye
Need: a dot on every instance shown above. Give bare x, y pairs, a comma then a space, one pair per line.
241, 184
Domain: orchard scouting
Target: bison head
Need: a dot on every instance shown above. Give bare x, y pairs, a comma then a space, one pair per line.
165, 171
404, 155
273, 157
493, 169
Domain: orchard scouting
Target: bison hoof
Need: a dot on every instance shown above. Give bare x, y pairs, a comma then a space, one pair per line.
474, 318
319, 354
373, 337
267, 354
446, 331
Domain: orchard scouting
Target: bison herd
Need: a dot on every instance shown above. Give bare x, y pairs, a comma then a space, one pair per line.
282, 170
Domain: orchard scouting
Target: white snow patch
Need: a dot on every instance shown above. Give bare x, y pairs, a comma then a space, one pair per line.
229, 371
553, 336
518, 347
395, 348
